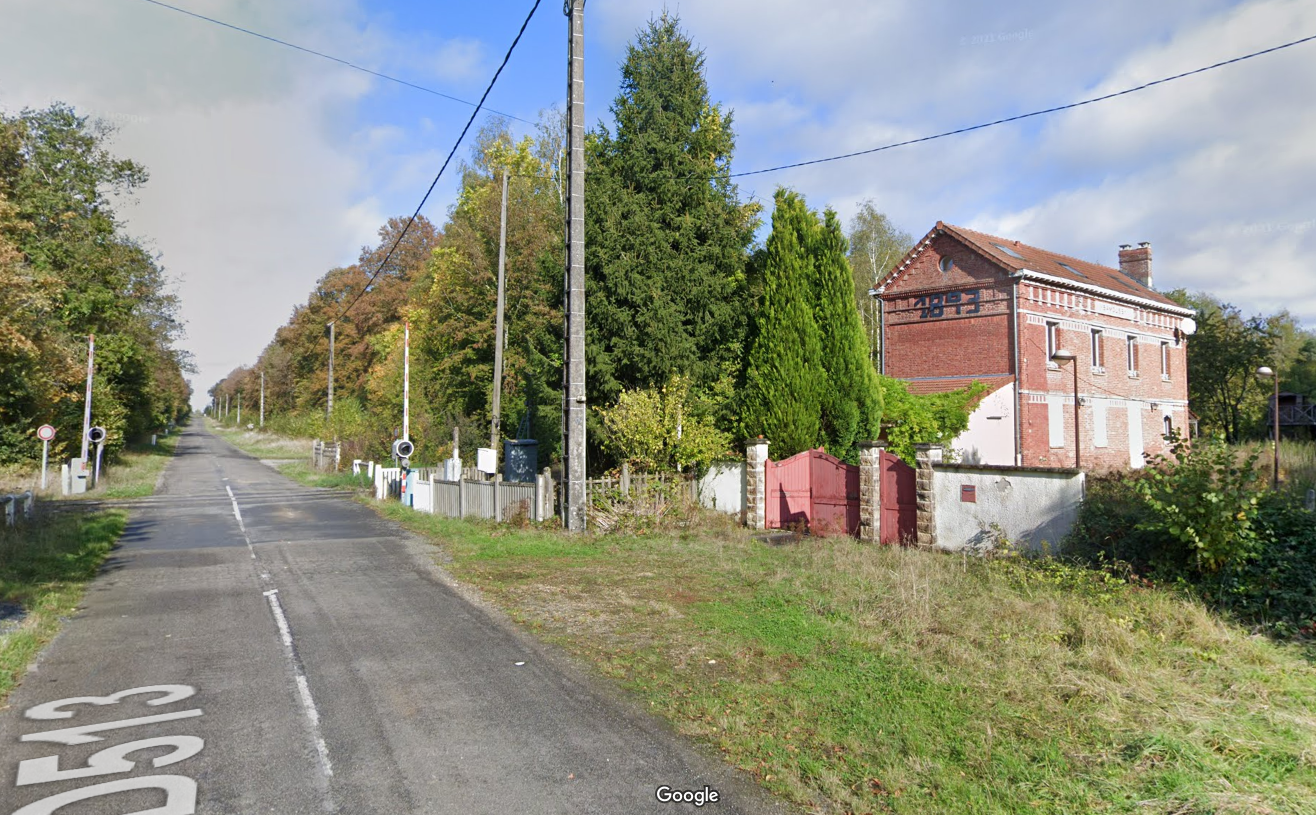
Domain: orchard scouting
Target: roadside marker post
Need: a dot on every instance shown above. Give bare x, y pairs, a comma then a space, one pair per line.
45, 433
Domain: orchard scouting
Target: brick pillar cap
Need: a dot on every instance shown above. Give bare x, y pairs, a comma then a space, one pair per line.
869, 445
759, 440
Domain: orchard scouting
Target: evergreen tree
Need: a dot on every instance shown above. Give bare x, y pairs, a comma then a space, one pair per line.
785, 380
666, 236
852, 401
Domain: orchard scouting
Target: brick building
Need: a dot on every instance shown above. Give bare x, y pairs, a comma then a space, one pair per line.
965, 306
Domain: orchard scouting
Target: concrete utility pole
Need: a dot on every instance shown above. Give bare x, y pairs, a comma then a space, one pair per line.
239, 408
406, 380
330, 409
574, 392
496, 421
262, 398
86, 410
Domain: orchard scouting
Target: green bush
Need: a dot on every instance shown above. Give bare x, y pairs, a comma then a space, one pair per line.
1204, 500
1276, 589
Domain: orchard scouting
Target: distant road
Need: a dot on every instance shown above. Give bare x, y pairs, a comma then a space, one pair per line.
259, 647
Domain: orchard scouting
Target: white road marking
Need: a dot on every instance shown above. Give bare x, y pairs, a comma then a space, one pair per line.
303, 687
237, 513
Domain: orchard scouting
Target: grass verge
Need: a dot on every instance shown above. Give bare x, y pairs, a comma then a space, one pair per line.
44, 568
851, 678
260, 443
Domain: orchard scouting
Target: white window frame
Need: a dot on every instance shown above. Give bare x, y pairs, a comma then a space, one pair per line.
1052, 342
1098, 350
1165, 361
1132, 352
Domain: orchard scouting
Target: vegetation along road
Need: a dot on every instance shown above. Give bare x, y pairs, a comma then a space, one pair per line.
263, 647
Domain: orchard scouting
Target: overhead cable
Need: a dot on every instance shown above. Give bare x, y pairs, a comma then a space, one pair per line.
323, 55
985, 125
446, 161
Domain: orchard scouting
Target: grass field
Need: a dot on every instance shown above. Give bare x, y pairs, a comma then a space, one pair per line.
44, 567
261, 444
851, 678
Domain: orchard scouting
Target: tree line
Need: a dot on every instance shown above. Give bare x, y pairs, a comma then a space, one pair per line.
69, 269
696, 337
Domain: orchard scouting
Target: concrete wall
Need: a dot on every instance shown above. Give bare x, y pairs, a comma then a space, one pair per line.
989, 438
1029, 506
723, 487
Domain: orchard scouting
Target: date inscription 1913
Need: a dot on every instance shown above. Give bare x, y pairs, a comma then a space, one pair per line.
934, 306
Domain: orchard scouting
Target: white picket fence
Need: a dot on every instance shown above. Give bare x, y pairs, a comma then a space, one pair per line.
467, 498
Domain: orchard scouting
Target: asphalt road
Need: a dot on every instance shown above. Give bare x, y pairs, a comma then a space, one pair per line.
292, 653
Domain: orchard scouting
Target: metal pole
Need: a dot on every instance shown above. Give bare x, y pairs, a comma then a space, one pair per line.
1274, 484
406, 380
574, 393
330, 409
262, 398
45, 454
1078, 428
86, 412
497, 411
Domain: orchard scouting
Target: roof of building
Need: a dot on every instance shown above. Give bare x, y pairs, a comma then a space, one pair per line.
1019, 257
953, 383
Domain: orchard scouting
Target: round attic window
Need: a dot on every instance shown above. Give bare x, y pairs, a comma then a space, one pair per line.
946, 264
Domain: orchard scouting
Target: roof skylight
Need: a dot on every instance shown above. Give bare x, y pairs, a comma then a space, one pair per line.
1071, 269
1007, 250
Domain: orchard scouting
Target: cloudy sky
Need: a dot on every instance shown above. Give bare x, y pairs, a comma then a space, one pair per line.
269, 166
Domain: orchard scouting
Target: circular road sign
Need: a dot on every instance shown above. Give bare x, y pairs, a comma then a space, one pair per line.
45, 432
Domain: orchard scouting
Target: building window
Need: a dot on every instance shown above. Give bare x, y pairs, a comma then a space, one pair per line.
1052, 343
1133, 356
946, 264
1169, 426
1098, 352
1165, 360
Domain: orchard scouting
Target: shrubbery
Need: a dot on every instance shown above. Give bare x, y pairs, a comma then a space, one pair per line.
1199, 519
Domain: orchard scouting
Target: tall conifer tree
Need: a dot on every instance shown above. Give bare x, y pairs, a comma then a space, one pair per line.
852, 401
666, 236
785, 380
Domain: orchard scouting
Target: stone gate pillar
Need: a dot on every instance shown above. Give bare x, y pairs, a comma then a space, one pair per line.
756, 488
926, 455
870, 490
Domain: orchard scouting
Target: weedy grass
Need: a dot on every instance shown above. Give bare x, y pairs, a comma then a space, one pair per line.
854, 678
303, 473
132, 474
44, 568
261, 443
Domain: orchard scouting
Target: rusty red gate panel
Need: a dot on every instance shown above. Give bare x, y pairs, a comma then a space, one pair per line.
899, 501
788, 495
815, 491
835, 508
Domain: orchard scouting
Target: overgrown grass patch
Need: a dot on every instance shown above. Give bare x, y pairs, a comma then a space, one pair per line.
44, 568
260, 443
303, 473
852, 678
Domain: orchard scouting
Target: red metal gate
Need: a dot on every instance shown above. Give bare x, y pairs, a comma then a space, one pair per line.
815, 491
899, 501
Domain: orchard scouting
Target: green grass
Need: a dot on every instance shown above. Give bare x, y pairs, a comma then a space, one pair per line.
303, 473
261, 444
851, 678
44, 567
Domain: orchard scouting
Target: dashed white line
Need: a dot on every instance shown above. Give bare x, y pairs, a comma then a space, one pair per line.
303, 687
237, 513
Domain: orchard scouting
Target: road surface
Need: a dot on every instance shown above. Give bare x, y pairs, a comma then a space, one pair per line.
254, 646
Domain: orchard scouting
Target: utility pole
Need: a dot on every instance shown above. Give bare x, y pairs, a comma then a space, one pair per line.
498, 330
239, 408
330, 411
574, 392
86, 410
406, 380
262, 398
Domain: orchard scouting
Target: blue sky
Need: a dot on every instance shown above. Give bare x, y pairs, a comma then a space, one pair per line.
269, 166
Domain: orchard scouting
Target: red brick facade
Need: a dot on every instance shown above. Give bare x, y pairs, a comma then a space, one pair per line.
967, 304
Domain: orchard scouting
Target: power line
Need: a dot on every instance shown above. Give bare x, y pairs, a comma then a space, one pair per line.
322, 55
1070, 106
446, 161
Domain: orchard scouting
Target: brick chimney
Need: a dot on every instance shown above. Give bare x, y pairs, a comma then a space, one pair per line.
1136, 263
